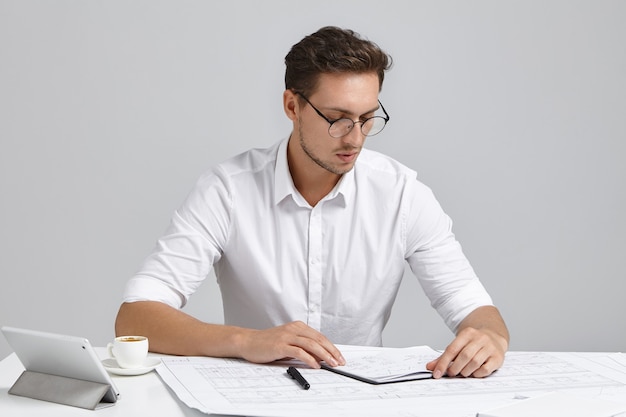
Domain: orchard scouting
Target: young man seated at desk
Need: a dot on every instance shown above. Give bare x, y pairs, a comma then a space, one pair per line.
309, 237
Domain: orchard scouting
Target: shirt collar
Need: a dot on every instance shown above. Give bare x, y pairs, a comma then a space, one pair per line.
283, 183
284, 186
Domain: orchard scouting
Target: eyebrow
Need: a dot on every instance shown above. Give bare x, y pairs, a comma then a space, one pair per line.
344, 111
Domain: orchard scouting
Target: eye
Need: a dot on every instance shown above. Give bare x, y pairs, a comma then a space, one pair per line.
368, 115
336, 116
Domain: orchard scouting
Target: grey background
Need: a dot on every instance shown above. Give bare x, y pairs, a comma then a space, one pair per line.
512, 111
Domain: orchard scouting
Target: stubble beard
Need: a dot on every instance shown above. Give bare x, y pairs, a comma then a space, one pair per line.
327, 166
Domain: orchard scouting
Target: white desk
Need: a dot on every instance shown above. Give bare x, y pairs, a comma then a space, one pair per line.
148, 395
143, 395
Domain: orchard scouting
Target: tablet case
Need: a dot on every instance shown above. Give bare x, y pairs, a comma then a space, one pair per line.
60, 369
61, 390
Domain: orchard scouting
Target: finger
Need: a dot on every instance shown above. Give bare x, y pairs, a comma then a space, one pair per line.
447, 362
319, 346
492, 363
322, 350
432, 366
474, 362
333, 356
440, 366
465, 361
315, 344
302, 355
487, 368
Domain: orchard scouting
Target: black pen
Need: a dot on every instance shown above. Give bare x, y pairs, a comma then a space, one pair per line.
293, 373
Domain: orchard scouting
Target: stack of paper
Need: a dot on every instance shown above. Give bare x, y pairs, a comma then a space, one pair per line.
388, 365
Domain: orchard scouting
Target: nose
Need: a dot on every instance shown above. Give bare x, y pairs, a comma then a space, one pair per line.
355, 137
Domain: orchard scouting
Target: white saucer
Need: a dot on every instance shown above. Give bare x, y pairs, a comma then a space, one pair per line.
112, 366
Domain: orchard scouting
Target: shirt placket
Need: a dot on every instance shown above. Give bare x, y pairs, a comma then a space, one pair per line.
314, 318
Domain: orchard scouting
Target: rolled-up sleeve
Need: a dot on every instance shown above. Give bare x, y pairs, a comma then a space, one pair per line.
187, 251
437, 260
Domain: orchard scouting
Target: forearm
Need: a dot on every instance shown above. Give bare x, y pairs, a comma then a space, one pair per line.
487, 318
172, 331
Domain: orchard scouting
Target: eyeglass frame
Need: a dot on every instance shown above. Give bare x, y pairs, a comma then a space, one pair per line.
386, 118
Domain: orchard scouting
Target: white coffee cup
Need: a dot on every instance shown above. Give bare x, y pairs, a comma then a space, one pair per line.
129, 351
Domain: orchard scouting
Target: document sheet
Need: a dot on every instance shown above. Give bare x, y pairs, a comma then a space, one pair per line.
556, 404
237, 387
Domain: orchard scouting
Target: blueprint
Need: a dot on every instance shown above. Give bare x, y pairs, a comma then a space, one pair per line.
237, 387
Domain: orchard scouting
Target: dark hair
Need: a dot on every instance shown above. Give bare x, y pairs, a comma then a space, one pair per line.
332, 50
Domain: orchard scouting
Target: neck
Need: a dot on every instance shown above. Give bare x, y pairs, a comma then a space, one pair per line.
312, 181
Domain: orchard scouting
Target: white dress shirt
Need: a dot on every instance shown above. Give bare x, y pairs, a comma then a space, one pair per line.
336, 266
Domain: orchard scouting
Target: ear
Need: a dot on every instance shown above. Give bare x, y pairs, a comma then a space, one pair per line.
290, 105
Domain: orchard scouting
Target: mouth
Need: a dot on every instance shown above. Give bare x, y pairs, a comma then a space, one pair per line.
348, 157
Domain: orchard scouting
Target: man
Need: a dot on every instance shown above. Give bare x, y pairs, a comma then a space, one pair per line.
309, 238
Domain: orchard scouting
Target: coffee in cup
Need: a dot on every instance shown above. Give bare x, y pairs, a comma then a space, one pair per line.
129, 351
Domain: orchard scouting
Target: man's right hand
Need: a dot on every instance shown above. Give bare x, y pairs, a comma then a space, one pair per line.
292, 340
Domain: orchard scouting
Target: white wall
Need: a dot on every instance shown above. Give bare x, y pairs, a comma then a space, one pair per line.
512, 111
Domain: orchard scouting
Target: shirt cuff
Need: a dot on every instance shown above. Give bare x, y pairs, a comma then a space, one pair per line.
455, 310
142, 288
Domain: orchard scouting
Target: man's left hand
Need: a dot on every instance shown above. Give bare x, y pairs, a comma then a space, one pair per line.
478, 349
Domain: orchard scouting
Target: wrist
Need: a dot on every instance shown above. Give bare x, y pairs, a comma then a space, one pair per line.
499, 339
238, 340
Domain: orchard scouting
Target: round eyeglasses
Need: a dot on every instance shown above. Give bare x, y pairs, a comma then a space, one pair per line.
341, 127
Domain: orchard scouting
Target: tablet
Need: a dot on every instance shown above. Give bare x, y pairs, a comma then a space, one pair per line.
60, 355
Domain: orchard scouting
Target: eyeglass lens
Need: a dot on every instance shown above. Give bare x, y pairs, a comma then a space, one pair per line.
369, 127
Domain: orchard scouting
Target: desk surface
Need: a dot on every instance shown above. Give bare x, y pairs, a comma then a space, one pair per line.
140, 395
